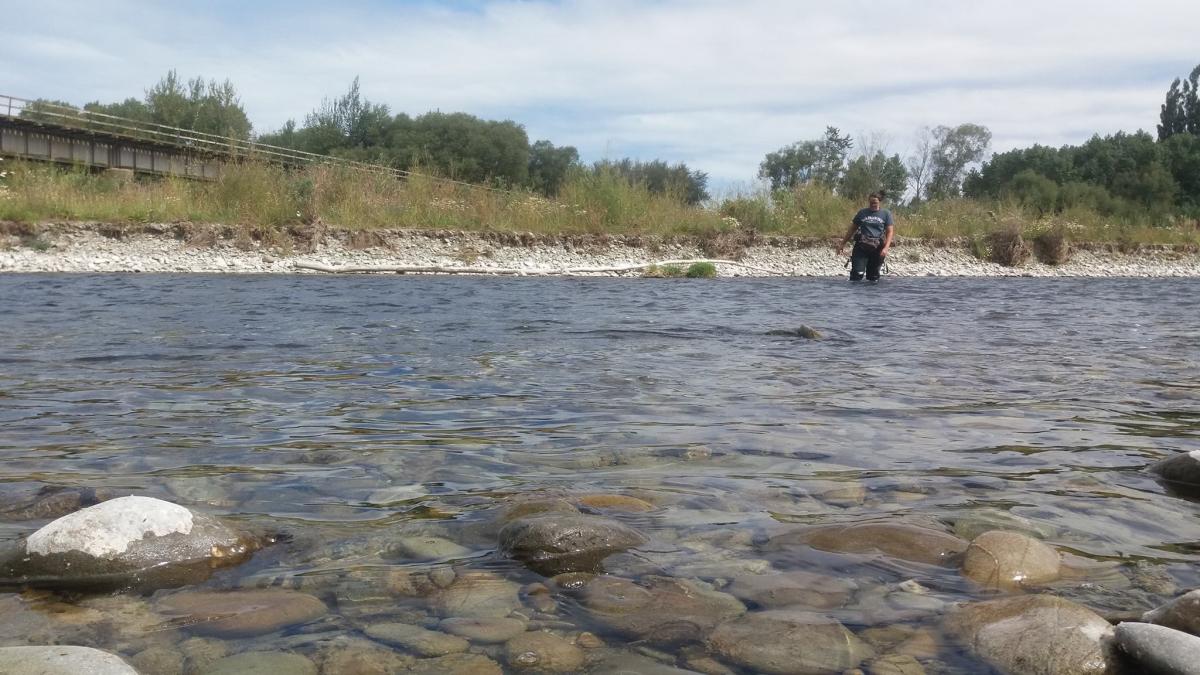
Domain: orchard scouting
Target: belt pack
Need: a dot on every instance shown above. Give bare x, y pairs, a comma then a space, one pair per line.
870, 242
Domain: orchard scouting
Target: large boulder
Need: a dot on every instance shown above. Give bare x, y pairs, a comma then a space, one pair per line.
1036, 635
787, 642
898, 540
1180, 473
1010, 561
126, 542
1160, 650
1182, 613
552, 543
658, 609
62, 660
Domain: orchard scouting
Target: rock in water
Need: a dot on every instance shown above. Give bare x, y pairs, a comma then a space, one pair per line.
126, 542
806, 332
237, 614
553, 543
62, 660
1158, 649
1010, 561
784, 642
1182, 613
661, 610
1180, 473
1036, 635
898, 540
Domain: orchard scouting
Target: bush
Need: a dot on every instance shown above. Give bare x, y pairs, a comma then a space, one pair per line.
1007, 247
749, 212
1052, 246
701, 270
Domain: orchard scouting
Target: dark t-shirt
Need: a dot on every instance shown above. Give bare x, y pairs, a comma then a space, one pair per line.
872, 224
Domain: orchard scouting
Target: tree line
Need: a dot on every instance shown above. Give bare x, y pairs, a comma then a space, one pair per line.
1119, 174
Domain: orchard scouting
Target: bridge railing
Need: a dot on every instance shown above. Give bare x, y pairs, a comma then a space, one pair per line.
188, 140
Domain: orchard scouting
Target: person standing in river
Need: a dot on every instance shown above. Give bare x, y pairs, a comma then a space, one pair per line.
871, 230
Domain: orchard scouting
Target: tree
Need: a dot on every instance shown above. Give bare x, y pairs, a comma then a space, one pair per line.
548, 166
819, 161
1181, 109
865, 175
954, 150
658, 177
920, 164
1034, 190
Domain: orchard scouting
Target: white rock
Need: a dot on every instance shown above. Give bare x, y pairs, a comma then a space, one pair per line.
61, 660
108, 528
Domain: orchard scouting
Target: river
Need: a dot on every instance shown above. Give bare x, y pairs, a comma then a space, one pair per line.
347, 412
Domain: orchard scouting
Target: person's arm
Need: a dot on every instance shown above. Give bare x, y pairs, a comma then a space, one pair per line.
849, 235
887, 234
887, 239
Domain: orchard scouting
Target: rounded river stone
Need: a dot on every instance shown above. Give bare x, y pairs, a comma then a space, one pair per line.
553, 543
477, 595
658, 609
543, 653
485, 630
1035, 635
793, 588
898, 540
417, 640
62, 660
1159, 649
1010, 561
787, 642
262, 663
128, 541
1180, 472
241, 613
1182, 613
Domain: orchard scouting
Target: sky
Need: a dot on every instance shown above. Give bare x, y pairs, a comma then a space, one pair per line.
714, 84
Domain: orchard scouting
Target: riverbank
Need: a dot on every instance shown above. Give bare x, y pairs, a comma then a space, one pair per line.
189, 248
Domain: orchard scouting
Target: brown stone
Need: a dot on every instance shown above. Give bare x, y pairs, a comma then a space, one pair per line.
785, 642
543, 653
1010, 561
240, 613
616, 503
1036, 635
898, 540
659, 609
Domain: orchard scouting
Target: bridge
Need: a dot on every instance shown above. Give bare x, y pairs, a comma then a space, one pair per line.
50, 132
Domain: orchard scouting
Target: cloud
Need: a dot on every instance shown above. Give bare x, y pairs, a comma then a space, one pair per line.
713, 83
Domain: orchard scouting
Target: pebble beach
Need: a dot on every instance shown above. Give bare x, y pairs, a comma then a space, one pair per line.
96, 247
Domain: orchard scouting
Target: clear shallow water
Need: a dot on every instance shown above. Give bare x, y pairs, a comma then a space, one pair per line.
348, 411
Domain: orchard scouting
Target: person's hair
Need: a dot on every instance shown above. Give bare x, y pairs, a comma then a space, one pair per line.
878, 194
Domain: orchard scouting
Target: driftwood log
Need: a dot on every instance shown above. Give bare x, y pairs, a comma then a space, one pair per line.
439, 269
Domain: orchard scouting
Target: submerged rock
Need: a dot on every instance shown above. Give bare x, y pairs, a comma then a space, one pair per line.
62, 660
1182, 613
553, 543
796, 588
804, 331
262, 663
417, 640
658, 609
898, 540
1160, 650
1010, 561
240, 613
52, 502
126, 542
543, 653
1036, 635
786, 642
479, 595
1180, 473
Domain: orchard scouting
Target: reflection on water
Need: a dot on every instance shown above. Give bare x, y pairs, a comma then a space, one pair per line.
360, 416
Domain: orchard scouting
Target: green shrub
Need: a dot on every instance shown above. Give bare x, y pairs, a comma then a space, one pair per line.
701, 270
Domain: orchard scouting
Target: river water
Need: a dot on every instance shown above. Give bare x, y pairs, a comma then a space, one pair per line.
348, 412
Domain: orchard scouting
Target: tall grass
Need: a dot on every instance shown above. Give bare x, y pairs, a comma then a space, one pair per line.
265, 196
